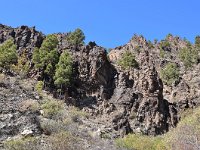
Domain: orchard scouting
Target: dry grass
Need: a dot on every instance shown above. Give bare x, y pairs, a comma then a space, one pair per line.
30, 105
29, 143
62, 141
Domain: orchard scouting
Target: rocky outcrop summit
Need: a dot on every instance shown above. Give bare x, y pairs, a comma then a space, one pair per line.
24, 37
124, 101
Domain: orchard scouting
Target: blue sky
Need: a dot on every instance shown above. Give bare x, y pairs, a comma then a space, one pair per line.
108, 22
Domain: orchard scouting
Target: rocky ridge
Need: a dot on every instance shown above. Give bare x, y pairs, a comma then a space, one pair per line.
124, 101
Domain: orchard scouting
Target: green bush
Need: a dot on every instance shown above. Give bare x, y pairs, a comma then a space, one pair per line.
128, 61
170, 73
52, 108
39, 86
8, 54
141, 142
188, 56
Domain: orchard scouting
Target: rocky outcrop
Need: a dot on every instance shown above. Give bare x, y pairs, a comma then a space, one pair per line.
24, 37
153, 114
93, 73
125, 101
135, 45
138, 44
137, 103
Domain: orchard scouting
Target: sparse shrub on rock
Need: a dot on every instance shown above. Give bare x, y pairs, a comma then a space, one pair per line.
170, 73
39, 86
128, 61
188, 56
76, 37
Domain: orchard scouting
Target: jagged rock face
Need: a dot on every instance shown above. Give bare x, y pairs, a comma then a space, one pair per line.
190, 77
153, 113
124, 100
90, 62
94, 75
149, 82
116, 95
137, 104
24, 37
135, 45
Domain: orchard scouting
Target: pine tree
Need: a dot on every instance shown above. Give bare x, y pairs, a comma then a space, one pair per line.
8, 54
63, 70
46, 58
76, 38
36, 58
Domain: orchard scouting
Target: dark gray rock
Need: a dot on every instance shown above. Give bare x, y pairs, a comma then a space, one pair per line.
14, 120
